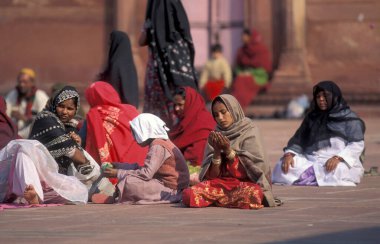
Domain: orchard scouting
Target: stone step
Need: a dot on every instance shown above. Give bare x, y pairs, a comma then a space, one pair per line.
268, 111
281, 92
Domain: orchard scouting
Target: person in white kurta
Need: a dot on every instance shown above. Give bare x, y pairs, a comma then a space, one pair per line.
326, 150
25, 101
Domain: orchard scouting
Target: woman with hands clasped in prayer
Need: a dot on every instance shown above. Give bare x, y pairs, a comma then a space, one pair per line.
326, 149
235, 173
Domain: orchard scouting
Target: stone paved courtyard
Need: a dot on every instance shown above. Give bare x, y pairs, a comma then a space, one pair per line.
309, 215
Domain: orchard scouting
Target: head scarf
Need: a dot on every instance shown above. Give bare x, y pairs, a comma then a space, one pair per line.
148, 126
28, 97
27, 71
254, 54
196, 123
109, 136
240, 124
8, 130
121, 71
193, 129
52, 132
245, 140
66, 93
171, 44
319, 126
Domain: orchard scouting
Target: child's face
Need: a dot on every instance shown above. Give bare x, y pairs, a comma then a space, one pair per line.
216, 54
245, 38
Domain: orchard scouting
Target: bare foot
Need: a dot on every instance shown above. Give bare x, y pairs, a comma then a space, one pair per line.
30, 195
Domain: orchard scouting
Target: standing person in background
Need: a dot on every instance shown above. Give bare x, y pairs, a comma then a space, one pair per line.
121, 71
216, 75
171, 56
254, 65
25, 101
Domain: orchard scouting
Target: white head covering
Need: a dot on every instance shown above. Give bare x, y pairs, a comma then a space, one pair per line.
148, 126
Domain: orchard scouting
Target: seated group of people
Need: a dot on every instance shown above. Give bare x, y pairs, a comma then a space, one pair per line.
120, 156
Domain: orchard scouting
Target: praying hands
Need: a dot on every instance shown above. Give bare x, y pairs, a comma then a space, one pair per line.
219, 142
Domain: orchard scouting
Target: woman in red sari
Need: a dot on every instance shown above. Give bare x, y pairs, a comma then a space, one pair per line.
195, 124
109, 137
254, 65
235, 172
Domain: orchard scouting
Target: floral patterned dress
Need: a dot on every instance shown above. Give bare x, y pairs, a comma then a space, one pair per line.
232, 189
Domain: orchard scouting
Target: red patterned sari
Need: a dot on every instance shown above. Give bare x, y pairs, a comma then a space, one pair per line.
109, 135
232, 189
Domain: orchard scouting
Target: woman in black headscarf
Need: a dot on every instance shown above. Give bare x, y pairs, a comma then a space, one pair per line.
55, 127
171, 59
121, 71
327, 148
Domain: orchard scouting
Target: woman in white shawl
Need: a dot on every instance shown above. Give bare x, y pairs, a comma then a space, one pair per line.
29, 173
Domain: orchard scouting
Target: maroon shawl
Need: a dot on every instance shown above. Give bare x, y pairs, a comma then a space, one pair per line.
255, 54
195, 125
8, 130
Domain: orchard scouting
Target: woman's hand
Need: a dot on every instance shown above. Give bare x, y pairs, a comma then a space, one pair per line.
332, 163
19, 116
75, 137
287, 161
110, 172
223, 142
219, 142
213, 141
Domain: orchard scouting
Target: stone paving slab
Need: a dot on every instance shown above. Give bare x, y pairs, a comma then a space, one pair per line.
309, 215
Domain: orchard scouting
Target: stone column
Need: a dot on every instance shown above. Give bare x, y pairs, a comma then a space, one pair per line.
257, 14
293, 65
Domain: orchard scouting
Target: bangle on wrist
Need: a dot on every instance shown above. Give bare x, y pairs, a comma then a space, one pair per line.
231, 155
216, 161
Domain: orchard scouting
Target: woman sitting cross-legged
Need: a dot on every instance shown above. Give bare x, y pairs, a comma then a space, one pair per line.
164, 174
235, 173
56, 128
326, 149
